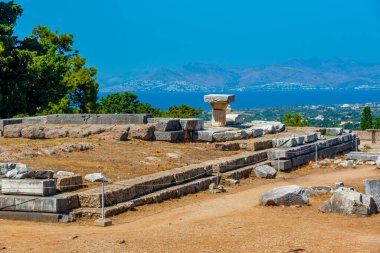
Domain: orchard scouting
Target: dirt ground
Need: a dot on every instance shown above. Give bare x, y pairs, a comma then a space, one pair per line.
229, 222
118, 159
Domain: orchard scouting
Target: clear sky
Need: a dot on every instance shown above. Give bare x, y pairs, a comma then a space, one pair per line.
117, 36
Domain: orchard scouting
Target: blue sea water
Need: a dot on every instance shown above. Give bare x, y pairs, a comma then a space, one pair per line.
262, 99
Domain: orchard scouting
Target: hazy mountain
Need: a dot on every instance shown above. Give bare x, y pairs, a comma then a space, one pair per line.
293, 74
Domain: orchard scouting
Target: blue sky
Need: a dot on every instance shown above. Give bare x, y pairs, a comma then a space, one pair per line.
117, 36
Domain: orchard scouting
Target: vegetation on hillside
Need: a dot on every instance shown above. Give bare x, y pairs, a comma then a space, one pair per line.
43, 74
296, 120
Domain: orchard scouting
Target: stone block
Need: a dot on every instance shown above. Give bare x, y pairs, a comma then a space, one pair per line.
261, 145
219, 98
207, 134
283, 165
103, 222
284, 142
69, 183
230, 135
169, 136
362, 156
234, 119
165, 124
334, 131
192, 124
311, 137
33, 204
300, 140
34, 187
372, 188
285, 195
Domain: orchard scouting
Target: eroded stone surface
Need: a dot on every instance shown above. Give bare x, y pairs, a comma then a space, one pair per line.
286, 195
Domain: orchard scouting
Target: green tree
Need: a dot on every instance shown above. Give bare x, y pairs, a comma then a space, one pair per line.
296, 120
376, 123
119, 103
366, 119
182, 111
41, 73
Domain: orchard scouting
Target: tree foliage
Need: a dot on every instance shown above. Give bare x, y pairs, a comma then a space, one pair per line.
376, 123
42, 73
366, 119
295, 120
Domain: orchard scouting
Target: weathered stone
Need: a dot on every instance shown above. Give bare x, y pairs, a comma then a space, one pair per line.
256, 132
323, 189
230, 135
261, 145
283, 165
79, 133
11, 170
207, 134
65, 173
279, 127
13, 131
40, 174
347, 163
265, 171
165, 124
362, 156
311, 137
284, 142
300, 140
350, 202
34, 187
219, 98
227, 146
378, 162
338, 185
69, 183
96, 177
285, 195
372, 188
234, 119
169, 136
334, 131
142, 132
33, 132
232, 181
27, 154
191, 124
33, 204
54, 133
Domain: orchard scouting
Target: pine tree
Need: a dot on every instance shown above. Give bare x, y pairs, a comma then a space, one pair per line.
376, 123
366, 120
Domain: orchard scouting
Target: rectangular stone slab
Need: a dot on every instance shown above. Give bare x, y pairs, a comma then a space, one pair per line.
33, 187
219, 98
191, 124
34, 204
169, 136
362, 156
165, 124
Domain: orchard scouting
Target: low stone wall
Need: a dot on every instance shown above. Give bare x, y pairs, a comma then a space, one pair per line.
98, 118
132, 188
300, 155
367, 135
28, 120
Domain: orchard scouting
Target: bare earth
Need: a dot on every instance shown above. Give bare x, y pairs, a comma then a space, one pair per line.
230, 222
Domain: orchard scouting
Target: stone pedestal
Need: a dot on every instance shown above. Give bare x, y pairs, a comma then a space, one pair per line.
219, 103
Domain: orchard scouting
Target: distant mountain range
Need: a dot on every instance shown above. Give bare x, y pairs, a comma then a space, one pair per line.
290, 75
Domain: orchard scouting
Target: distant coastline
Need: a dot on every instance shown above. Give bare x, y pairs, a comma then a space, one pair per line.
261, 98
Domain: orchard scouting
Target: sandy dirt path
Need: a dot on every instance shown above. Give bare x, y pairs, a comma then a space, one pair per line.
232, 222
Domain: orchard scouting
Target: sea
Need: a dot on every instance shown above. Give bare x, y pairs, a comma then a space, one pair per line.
262, 99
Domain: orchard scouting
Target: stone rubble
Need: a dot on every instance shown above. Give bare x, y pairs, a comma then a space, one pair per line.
265, 171
285, 195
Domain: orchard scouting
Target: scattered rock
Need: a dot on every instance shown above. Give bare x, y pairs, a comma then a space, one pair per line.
286, 195
372, 188
350, 202
228, 146
378, 162
33, 132
79, 133
120, 241
232, 181
347, 164
12, 131
216, 189
265, 171
370, 163
152, 159
337, 161
96, 177
65, 173
173, 155
54, 133
30, 154
142, 132
323, 189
